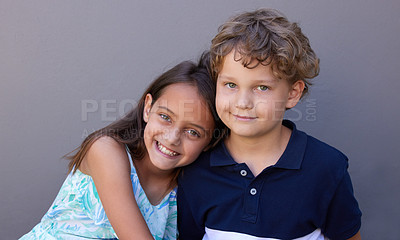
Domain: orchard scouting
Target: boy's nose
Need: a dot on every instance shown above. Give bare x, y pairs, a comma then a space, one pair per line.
244, 101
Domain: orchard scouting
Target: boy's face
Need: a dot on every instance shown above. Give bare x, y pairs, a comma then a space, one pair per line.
252, 102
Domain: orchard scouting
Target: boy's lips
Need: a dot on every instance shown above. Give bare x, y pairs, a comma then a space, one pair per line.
243, 118
163, 149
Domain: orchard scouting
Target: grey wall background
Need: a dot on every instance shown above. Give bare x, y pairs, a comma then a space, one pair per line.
58, 59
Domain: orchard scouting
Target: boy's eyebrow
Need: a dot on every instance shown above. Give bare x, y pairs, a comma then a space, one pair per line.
256, 80
194, 124
261, 81
227, 77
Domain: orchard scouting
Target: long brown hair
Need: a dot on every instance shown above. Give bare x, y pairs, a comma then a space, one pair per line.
129, 129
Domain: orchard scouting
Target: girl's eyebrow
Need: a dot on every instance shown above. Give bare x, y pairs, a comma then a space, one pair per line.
167, 109
193, 124
198, 126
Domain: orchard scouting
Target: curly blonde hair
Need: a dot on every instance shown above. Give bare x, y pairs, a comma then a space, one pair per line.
266, 36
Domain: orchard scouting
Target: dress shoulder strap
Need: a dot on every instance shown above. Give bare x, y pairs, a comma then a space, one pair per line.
129, 156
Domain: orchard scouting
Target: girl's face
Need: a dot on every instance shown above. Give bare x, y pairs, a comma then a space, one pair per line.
179, 126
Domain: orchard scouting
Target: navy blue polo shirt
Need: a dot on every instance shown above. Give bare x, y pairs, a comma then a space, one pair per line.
307, 194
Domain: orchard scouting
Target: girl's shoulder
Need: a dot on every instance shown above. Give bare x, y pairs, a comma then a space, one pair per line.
103, 153
108, 143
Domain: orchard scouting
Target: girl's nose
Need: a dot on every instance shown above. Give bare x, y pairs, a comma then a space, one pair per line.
173, 136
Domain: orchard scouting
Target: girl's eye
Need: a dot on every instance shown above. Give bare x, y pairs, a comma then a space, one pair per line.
262, 88
193, 133
165, 117
230, 85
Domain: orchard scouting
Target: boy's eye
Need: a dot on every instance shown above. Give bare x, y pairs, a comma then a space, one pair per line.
230, 85
165, 117
262, 88
193, 133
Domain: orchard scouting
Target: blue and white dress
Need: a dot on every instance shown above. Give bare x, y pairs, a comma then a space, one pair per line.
77, 212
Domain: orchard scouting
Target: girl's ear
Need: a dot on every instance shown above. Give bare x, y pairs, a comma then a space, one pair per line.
147, 107
295, 93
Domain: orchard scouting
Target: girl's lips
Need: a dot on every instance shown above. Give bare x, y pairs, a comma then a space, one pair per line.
166, 151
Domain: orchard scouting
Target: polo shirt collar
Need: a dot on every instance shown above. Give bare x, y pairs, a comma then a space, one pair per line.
293, 155
291, 158
220, 156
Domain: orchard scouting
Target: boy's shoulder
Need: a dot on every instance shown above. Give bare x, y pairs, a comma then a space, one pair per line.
301, 141
323, 157
310, 155
319, 147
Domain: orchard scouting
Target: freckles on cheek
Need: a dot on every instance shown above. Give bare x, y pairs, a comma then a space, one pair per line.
222, 106
221, 99
270, 111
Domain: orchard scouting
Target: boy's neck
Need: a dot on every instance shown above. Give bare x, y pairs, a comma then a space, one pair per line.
261, 152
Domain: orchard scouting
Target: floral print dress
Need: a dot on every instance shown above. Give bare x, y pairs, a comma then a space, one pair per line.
77, 212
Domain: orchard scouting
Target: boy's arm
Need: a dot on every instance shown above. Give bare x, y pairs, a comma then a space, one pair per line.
108, 164
187, 227
356, 237
344, 215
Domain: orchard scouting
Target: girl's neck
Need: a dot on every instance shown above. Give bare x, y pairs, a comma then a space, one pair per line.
156, 183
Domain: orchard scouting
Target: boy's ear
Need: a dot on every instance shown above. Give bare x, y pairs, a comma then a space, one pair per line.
295, 93
147, 107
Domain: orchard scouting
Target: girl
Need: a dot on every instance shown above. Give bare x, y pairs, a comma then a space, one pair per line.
137, 157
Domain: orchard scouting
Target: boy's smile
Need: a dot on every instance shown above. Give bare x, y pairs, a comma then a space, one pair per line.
243, 118
252, 102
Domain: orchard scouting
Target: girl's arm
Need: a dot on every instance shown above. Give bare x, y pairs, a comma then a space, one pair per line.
108, 164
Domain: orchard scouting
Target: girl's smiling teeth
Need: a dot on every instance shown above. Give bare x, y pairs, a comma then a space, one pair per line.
165, 150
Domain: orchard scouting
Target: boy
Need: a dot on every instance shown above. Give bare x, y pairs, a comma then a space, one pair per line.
266, 179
